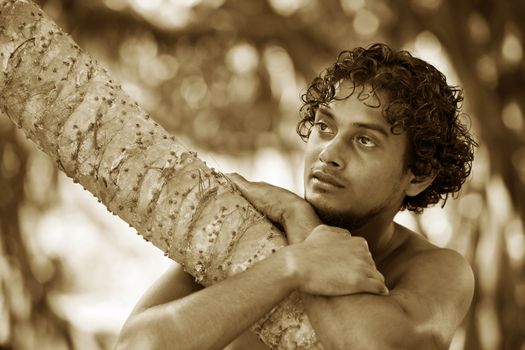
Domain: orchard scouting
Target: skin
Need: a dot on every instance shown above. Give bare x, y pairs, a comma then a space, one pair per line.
367, 282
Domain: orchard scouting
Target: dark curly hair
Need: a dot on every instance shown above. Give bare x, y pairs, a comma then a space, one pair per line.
420, 102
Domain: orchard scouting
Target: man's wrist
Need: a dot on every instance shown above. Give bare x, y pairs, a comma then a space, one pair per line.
290, 268
301, 215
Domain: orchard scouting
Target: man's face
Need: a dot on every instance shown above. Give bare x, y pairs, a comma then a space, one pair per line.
354, 165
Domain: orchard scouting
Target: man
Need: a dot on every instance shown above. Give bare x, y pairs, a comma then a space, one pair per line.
382, 134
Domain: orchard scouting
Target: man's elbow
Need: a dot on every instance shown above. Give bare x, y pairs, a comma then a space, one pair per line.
142, 334
413, 337
132, 340
405, 336
412, 341
134, 336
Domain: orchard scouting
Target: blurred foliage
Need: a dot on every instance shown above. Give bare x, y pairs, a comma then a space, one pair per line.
226, 76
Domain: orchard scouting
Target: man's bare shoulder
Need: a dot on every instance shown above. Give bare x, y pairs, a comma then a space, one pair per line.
419, 264
437, 282
418, 255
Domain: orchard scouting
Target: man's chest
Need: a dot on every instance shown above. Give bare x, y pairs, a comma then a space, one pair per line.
396, 264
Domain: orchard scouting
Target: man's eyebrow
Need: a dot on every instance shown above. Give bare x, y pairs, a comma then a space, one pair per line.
372, 126
326, 111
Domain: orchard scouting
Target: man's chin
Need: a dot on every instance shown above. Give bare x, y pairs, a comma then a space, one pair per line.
330, 215
343, 220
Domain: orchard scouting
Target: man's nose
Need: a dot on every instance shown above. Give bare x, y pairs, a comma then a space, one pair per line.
332, 154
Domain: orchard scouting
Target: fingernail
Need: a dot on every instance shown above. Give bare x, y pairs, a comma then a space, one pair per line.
384, 291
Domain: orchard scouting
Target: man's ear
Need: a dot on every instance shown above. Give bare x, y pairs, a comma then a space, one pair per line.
418, 184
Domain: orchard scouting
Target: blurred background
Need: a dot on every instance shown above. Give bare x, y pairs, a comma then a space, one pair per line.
225, 76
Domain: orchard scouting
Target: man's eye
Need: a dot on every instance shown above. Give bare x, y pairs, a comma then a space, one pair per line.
322, 127
366, 141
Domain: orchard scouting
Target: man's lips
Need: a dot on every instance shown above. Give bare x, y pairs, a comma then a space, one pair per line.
327, 178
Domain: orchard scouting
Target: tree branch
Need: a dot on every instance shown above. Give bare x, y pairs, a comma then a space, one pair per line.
69, 106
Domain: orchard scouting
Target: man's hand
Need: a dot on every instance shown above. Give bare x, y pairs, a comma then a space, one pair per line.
331, 262
293, 213
327, 260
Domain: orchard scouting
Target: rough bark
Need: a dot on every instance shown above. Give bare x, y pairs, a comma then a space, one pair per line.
69, 106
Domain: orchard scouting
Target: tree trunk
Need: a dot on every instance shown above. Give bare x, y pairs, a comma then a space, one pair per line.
69, 106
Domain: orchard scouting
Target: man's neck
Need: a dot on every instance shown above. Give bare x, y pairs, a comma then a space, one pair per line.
380, 235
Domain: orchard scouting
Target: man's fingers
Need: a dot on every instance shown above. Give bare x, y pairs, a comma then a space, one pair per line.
237, 180
248, 189
374, 286
256, 194
279, 205
370, 260
372, 272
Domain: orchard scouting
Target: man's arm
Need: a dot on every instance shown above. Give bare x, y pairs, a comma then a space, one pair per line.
325, 264
421, 312
208, 318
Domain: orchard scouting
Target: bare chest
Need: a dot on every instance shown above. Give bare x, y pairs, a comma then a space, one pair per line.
395, 265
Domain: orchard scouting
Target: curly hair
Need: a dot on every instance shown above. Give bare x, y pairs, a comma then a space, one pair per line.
420, 103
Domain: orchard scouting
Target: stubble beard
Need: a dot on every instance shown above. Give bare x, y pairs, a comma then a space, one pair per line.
347, 220
350, 219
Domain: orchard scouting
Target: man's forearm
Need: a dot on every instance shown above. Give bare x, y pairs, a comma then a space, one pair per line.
211, 318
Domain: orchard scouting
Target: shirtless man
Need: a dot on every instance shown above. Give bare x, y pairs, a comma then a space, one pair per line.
382, 135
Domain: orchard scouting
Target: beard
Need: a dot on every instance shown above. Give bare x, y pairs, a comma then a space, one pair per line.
353, 219
346, 220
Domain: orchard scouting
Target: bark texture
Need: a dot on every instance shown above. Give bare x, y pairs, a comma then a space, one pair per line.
71, 108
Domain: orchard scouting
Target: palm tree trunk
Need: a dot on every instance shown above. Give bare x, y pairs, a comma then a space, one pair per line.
69, 106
